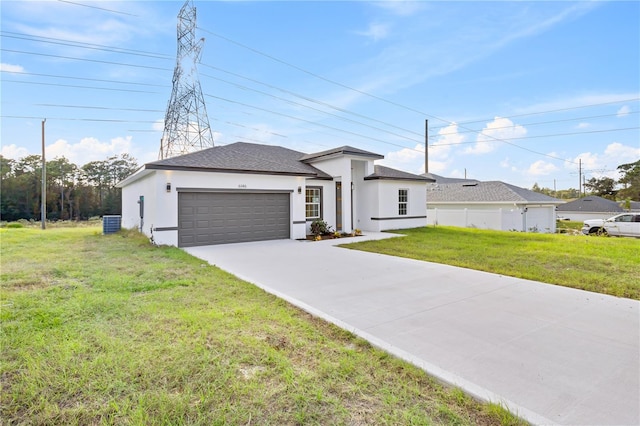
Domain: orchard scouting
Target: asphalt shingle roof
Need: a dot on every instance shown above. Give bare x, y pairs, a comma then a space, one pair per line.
343, 150
442, 179
242, 157
592, 203
487, 192
382, 172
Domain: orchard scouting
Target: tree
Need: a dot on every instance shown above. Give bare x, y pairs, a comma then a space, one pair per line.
630, 181
72, 192
603, 187
561, 194
104, 175
9, 209
62, 177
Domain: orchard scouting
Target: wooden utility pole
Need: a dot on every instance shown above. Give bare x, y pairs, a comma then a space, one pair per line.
426, 146
43, 202
579, 177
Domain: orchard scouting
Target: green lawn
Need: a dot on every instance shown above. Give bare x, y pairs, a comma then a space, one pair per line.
111, 330
601, 264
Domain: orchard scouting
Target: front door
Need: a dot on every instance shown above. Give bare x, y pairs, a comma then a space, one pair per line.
338, 206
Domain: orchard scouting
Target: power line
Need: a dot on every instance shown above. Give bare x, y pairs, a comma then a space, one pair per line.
342, 85
99, 107
141, 53
312, 108
85, 59
83, 45
546, 111
111, 89
161, 56
93, 46
532, 124
374, 96
78, 119
540, 136
306, 98
308, 121
82, 78
96, 7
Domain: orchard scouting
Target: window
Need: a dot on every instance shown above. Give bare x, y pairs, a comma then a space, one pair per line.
403, 200
625, 218
313, 200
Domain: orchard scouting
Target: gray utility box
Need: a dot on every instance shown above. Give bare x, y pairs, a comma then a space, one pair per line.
111, 224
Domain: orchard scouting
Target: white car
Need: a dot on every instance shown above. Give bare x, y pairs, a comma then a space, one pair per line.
622, 225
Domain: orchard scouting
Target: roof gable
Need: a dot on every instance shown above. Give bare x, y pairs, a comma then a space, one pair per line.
485, 192
442, 179
343, 150
382, 172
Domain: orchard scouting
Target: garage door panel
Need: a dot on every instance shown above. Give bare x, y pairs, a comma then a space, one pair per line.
221, 218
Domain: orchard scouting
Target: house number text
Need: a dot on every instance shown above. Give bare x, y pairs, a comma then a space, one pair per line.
242, 185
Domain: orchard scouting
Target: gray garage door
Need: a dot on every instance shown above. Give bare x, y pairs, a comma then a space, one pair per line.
206, 218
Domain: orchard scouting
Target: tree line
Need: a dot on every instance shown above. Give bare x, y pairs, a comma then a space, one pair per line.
625, 188
73, 193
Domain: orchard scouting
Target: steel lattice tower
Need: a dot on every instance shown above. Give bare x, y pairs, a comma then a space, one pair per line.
186, 125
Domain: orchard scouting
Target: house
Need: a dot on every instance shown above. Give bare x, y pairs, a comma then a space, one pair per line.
489, 205
251, 192
590, 207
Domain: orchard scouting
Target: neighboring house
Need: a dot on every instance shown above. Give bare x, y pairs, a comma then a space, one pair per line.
489, 205
250, 192
591, 207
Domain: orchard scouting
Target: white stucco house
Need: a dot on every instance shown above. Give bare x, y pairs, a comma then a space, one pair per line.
251, 192
489, 205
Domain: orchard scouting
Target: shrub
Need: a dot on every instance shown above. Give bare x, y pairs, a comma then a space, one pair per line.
15, 225
320, 227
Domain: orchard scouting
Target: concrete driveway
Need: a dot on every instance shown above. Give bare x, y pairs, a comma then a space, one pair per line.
552, 355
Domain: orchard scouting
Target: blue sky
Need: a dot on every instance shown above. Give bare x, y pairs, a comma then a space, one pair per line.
513, 91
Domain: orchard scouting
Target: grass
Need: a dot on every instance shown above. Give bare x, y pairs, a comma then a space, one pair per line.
600, 264
569, 226
111, 330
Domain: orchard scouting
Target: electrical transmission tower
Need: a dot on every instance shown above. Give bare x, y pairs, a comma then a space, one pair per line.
186, 125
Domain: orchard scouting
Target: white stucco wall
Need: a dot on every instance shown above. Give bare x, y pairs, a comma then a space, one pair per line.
130, 207
580, 216
161, 207
348, 170
540, 219
383, 215
328, 204
500, 217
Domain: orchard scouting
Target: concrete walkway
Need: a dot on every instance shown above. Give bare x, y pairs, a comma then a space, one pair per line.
552, 355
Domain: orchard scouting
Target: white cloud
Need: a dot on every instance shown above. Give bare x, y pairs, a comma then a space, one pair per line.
624, 111
541, 168
447, 137
606, 163
499, 128
583, 125
14, 152
407, 159
622, 153
11, 68
375, 31
88, 149
412, 159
